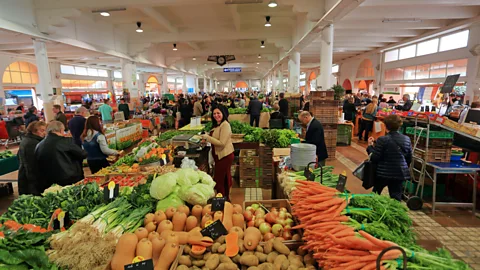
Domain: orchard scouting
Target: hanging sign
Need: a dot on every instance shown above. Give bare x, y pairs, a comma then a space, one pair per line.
233, 69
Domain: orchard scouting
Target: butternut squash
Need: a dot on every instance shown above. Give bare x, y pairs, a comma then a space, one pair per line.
198, 250
231, 241
141, 233
151, 226
157, 245
184, 209
165, 225
178, 221
200, 241
227, 216
160, 216
168, 255
207, 209
124, 251
191, 223
152, 235
238, 220
218, 216
144, 249
165, 233
251, 238
148, 218
182, 237
238, 231
197, 212
237, 209
205, 219
197, 231
170, 212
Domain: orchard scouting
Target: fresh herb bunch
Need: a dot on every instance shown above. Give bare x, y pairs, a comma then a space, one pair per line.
167, 135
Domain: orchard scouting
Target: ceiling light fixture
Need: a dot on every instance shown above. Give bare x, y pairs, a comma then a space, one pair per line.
139, 27
107, 12
175, 47
272, 4
194, 59
406, 20
267, 21
258, 63
104, 14
259, 56
263, 44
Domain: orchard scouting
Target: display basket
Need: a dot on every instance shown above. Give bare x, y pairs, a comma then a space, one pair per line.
432, 134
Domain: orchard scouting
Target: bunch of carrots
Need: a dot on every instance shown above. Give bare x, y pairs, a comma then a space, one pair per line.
321, 211
15, 226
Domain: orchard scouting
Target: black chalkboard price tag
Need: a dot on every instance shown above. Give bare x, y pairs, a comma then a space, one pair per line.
143, 265
342, 181
218, 203
214, 230
61, 220
110, 192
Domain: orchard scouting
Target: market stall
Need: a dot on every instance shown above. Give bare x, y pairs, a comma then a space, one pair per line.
123, 134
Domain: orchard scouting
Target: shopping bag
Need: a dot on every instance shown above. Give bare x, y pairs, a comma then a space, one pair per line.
367, 173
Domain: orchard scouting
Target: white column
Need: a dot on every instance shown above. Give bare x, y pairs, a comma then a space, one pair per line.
211, 85
44, 86
294, 73
164, 83
129, 78
184, 84
280, 80
175, 85
197, 89
326, 58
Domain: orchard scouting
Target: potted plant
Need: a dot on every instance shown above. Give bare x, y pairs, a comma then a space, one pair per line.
339, 91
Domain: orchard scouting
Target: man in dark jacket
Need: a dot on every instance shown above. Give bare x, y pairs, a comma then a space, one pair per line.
407, 103
58, 158
60, 116
392, 154
28, 169
314, 135
76, 125
254, 109
283, 103
123, 107
30, 116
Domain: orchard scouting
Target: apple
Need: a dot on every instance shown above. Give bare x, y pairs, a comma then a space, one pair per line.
259, 221
250, 209
277, 230
255, 206
268, 236
251, 223
248, 215
271, 218
260, 212
273, 209
265, 228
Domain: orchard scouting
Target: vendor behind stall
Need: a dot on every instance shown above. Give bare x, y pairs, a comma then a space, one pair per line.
407, 103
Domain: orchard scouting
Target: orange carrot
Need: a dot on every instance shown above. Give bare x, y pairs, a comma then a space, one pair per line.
372, 239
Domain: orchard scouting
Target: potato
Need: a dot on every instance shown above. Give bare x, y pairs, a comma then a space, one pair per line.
279, 261
185, 260
249, 260
266, 266
199, 263
301, 251
221, 239
252, 268
236, 259
279, 246
182, 267
241, 247
285, 265
261, 257
227, 266
198, 257
213, 261
221, 249
292, 267
260, 249
268, 247
215, 247
272, 256
308, 259
187, 249
225, 259
297, 262
206, 255
205, 268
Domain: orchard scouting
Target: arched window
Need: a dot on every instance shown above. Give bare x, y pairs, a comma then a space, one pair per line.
365, 69
20, 73
152, 79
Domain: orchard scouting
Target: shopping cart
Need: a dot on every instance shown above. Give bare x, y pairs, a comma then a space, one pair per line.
15, 130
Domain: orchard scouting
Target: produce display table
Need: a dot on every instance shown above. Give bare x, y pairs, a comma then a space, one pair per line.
8, 165
188, 127
454, 168
245, 118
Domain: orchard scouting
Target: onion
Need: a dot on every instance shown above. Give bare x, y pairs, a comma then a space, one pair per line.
259, 221
265, 228
268, 236
287, 235
277, 230
248, 215
271, 218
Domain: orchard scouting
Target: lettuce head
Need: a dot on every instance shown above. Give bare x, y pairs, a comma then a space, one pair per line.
206, 179
163, 185
196, 194
187, 177
171, 200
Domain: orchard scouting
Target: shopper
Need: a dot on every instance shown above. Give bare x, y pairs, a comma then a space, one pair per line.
368, 117
383, 103
76, 125
106, 111
407, 105
123, 107
95, 143
392, 154
254, 109
358, 100
58, 158
306, 105
283, 103
28, 170
241, 102
21, 107
391, 101
30, 116
277, 115
222, 151
197, 107
349, 110
60, 116
314, 135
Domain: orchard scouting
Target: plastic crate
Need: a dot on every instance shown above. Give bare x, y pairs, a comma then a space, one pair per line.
344, 139
427, 189
344, 130
433, 134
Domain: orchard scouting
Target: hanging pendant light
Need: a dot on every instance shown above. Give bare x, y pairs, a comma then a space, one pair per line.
175, 46
263, 44
272, 4
267, 21
139, 27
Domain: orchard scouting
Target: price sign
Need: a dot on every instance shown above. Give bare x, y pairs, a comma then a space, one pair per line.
410, 113
214, 230
141, 265
60, 221
218, 203
111, 192
342, 181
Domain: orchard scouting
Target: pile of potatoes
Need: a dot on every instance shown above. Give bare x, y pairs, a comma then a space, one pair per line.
273, 255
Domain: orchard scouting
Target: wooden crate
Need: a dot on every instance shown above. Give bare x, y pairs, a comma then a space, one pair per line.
248, 159
322, 95
435, 154
250, 183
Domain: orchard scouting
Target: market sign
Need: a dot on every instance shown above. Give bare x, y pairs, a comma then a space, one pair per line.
235, 69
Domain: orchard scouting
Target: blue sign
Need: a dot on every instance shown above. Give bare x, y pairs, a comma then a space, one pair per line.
237, 69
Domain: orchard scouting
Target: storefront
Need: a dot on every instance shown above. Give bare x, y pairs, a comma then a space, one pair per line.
19, 81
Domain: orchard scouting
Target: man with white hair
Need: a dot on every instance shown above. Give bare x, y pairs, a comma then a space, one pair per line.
58, 158
76, 125
314, 135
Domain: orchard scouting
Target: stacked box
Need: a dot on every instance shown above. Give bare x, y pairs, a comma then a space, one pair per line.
435, 154
249, 168
266, 163
344, 135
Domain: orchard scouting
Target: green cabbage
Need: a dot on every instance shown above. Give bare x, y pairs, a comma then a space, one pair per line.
171, 200
196, 194
163, 185
187, 177
206, 179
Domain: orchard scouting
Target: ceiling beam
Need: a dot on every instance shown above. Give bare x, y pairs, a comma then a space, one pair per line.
352, 33
378, 24
159, 18
434, 12
420, 2
99, 4
235, 17
194, 46
8, 47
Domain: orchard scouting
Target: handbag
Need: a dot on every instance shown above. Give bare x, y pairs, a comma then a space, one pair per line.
366, 172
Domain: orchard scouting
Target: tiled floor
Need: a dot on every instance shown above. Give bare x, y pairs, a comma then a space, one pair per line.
456, 229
